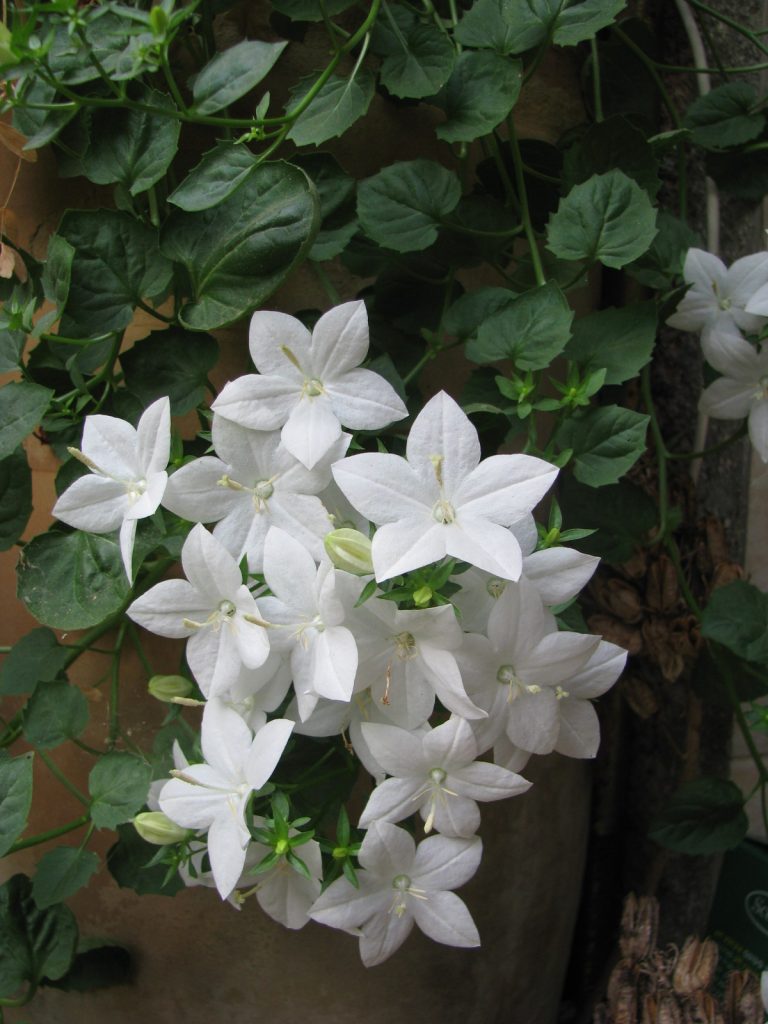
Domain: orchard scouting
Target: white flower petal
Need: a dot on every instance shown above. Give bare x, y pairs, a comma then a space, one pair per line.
269, 333
112, 444
343, 906
268, 746
444, 862
225, 740
392, 800
290, 571
383, 487
209, 567
227, 844
559, 573
363, 400
194, 493
93, 503
311, 429
387, 851
485, 545
445, 918
409, 544
335, 663
726, 351
758, 428
503, 488
164, 607
579, 734
727, 399
258, 402
483, 781
443, 430
340, 340
153, 434
382, 936
127, 538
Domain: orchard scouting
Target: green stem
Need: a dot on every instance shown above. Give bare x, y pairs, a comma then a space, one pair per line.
736, 436
54, 769
650, 67
731, 23
597, 93
21, 1000
325, 281
661, 453
53, 833
522, 195
139, 648
173, 87
114, 689
154, 312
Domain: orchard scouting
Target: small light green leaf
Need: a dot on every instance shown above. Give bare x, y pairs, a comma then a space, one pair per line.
15, 797
238, 252
232, 73
606, 442
34, 944
480, 93
56, 712
118, 785
617, 340
36, 658
704, 816
607, 218
726, 116
216, 177
531, 330
402, 206
418, 57
737, 618
175, 363
132, 147
336, 107
22, 406
72, 580
117, 262
60, 873
15, 497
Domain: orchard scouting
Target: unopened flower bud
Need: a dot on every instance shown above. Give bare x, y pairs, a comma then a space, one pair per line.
168, 688
422, 596
349, 550
157, 828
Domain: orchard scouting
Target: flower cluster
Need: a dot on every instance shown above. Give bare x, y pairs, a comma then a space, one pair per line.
396, 602
729, 307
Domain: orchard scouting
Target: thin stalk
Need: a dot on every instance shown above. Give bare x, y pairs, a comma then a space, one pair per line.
114, 689
53, 833
720, 446
522, 195
597, 93
731, 23
173, 87
661, 452
54, 769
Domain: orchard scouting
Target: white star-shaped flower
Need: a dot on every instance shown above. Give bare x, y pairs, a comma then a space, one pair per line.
254, 484
719, 296
442, 500
214, 795
212, 607
399, 884
743, 388
310, 384
128, 475
436, 773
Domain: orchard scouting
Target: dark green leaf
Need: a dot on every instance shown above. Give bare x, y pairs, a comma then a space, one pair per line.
663, 263
310, 10
622, 514
72, 580
127, 861
741, 175
40, 126
34, 944
11, 347
607, 218
583, 19
737, 618
418, 57
22, 406
130, 146
15, 497
335, 108
57, 271
618, 340
726, 116
175, 363
403, 205
60, 873
482, 90
704, 816
713, 663
531, 330
232, 73
117, 263
469, 312
612, 143
118, 785
96, 965
488, 25
237, 253
336, 195
15, 797
606, 442
56, 712
218, 174
36, 658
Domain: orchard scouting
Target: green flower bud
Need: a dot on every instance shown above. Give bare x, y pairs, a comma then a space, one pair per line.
168, 688
158, 829
349, 550
158, 21
422, 596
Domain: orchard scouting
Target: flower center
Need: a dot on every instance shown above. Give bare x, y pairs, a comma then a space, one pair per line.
226, 609
496, 587
312, 388
135, 488
401, 882
438, 776
507, 676
443, 512
405, 646
725, 304
263, 489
